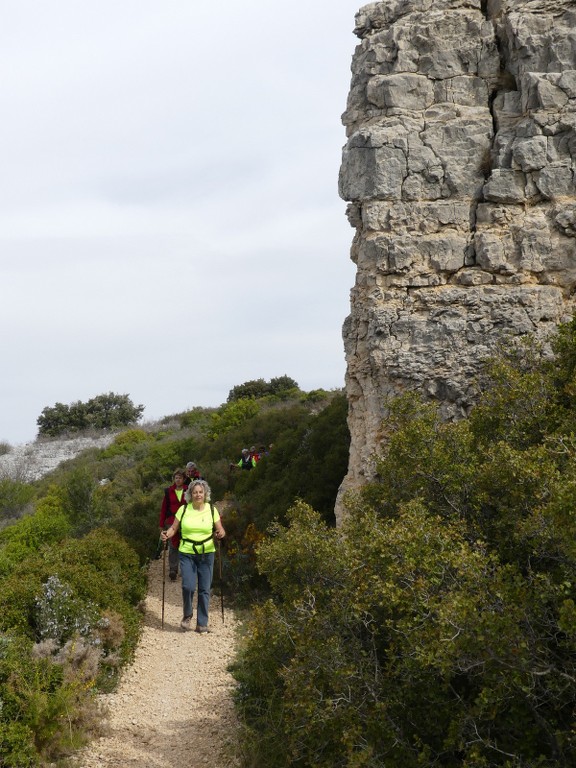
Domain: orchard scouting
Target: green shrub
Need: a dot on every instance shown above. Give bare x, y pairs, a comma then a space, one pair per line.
229, 417
308, 461
48, 525
393, 642
60, 615
437, 625
107, 411
47, 703
126, 442
14, 497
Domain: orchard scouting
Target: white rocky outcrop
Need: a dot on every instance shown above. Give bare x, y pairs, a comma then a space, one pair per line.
460, 171
28, 462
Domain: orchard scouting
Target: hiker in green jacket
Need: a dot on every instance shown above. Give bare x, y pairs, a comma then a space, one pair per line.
198, 521
247, 460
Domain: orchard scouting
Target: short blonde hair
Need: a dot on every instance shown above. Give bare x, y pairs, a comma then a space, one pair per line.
204, 484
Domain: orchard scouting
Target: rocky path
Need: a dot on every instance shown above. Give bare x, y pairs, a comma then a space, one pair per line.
173, 706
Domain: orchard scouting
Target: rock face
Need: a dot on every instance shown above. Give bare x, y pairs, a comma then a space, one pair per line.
460, 170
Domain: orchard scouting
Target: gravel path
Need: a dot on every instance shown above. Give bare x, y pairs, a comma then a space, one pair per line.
163, 719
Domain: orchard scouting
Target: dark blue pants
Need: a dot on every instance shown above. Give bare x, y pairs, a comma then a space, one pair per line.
197, 570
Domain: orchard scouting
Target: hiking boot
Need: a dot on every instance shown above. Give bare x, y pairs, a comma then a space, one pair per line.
201, 630
173, 576
185, 623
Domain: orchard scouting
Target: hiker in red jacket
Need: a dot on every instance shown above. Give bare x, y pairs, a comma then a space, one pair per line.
171, 503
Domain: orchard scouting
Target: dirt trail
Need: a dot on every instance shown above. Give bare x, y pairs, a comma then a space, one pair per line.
173, 706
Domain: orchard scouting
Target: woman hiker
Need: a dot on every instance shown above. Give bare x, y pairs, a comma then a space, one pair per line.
198, 522
171, 503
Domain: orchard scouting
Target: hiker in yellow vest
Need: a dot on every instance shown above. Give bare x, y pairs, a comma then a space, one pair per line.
197, 521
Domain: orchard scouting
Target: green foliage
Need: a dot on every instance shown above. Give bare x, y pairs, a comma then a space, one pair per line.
308, 461
48, 525
398, 642
40, 692
59, 615
436, 627
259, 388
106, 411
229, 417
126, 442
14, 497
71, 571
195, 418
77, 602
250, 389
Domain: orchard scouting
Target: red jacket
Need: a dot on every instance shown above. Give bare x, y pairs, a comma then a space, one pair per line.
170, 505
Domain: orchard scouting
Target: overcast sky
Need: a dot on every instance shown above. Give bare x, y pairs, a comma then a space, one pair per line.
170, 224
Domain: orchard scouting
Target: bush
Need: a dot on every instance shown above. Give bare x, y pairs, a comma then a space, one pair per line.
437, 625
14, 498
308, 461
395, 643
127, 442
41, 692
259, 388
230, 417
108, 411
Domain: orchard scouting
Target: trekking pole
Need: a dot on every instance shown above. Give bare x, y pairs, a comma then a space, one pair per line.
163, 580
220, 578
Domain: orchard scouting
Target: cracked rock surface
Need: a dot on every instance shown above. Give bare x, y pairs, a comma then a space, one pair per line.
28, 462
460, 172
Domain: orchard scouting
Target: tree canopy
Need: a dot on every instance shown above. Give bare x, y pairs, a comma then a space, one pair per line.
106, 411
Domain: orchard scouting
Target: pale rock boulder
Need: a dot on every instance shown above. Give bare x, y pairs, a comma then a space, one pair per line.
460, 172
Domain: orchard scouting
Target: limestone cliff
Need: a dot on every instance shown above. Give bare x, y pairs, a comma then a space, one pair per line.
460, 169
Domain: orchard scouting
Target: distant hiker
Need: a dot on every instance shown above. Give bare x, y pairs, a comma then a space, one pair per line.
246, 460
198, 521
255, 454
171, 503
192, 473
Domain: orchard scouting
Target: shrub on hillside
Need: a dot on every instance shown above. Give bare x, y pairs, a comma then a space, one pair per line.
14, 498
47, 704
437, 626
259, 388
127, 442
231, 416
308, 461
107, 411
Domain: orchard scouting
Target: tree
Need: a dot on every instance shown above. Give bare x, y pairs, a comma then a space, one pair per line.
111, 410
249, 390
282, 384
259, 388
107, 411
